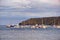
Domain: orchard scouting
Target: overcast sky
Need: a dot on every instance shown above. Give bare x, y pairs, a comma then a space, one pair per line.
13, 11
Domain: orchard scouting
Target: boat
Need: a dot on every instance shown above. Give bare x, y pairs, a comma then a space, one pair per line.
58, 26
33, 26
9, 26
16, 26
43, 26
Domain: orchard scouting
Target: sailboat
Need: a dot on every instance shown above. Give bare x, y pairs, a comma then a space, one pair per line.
8, 26
40, 26
56, 26
16, 26
43, 26
54, 23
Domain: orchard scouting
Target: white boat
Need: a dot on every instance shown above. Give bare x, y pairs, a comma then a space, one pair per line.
43, 26
58, 26
17, 26
33, 26
8, 26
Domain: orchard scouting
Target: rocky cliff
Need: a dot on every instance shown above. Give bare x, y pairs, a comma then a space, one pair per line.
44, 20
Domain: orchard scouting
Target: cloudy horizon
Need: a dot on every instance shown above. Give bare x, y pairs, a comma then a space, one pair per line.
14, 11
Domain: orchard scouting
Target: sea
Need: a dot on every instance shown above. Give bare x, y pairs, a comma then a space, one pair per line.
29, 34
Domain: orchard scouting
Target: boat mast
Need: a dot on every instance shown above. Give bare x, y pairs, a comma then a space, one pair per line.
42, 21
58, 21
54, 23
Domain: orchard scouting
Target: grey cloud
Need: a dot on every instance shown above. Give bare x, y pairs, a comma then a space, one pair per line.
35, 7
34, 10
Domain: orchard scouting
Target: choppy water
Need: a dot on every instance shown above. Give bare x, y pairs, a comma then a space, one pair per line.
29, 34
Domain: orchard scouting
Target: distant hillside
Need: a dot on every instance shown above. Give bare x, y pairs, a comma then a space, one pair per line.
45, 21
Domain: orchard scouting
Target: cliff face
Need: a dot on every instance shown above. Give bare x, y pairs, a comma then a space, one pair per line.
45, 21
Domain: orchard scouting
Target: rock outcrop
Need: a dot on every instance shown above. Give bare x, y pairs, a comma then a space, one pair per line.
45, 21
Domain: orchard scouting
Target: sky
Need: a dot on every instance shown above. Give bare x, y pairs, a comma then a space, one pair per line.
15, 11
